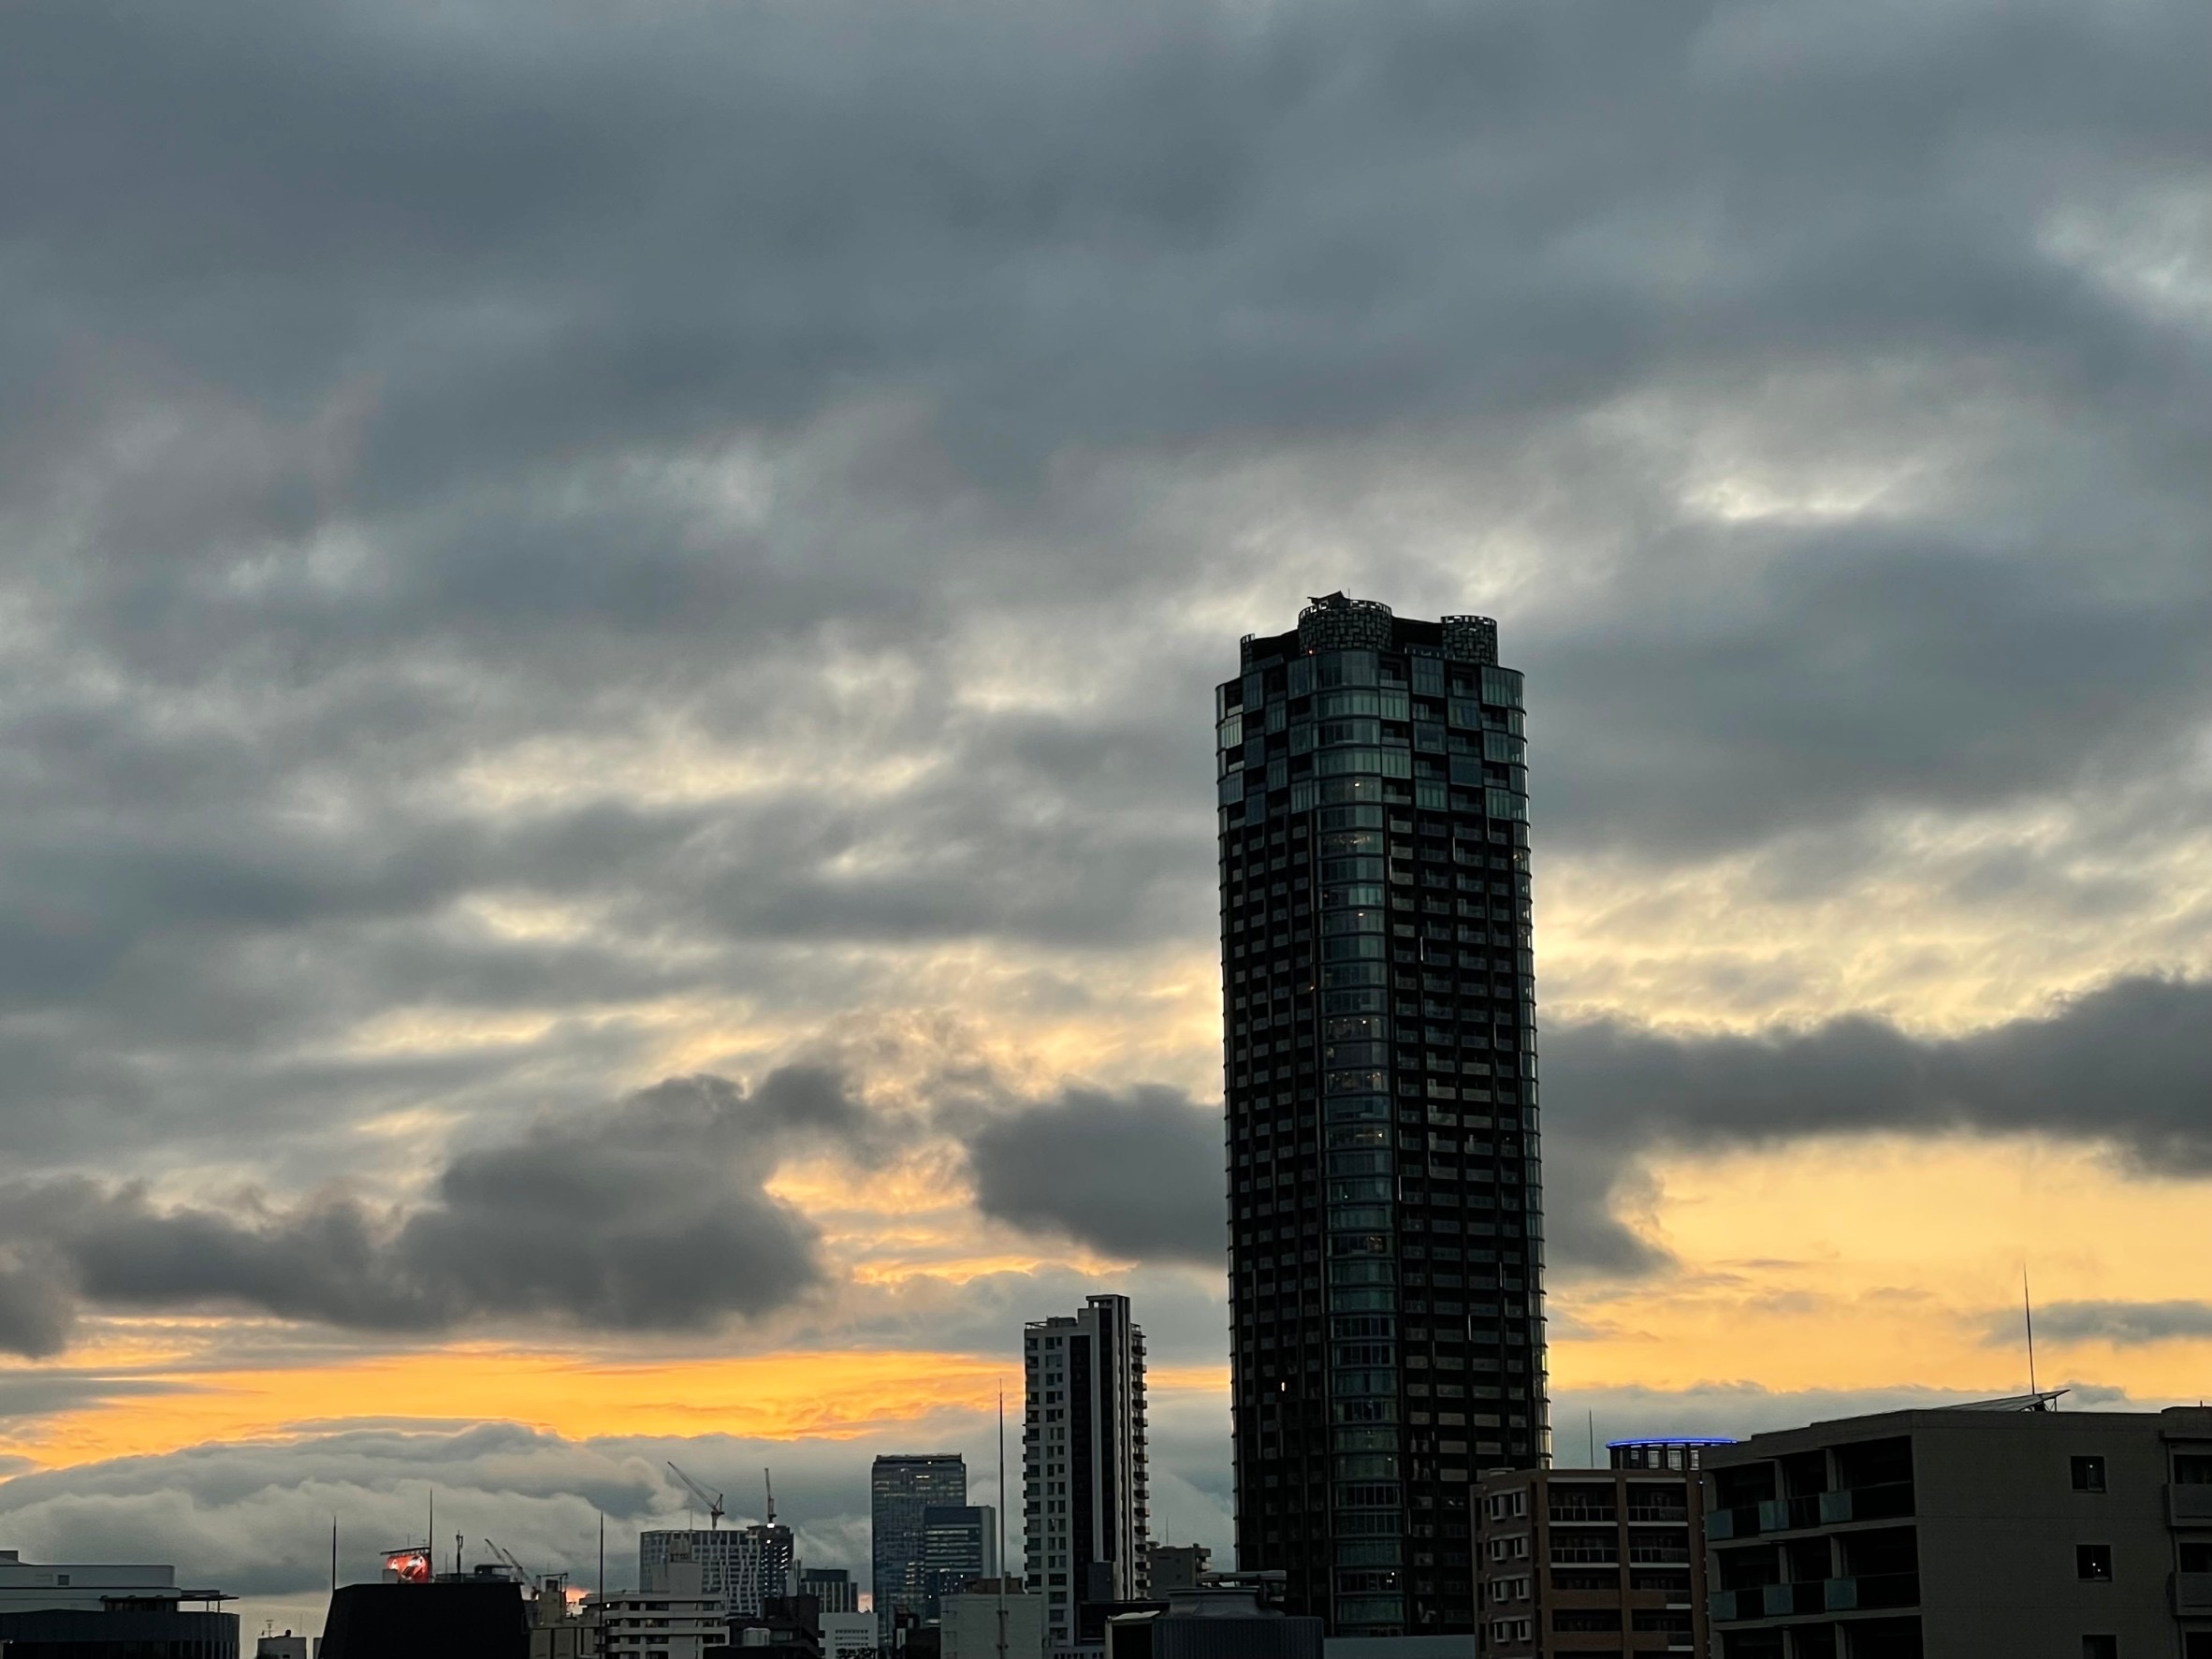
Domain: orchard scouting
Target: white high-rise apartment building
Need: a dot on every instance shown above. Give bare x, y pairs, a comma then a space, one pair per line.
739, 1566
1083, 1481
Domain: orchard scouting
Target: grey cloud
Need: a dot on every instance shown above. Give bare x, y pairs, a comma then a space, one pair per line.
385, 396
2128, 1324
648, 1217
2126, 1066
1136, 1175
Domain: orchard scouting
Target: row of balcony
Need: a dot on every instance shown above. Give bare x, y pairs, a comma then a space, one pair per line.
1825, 1508
1817, 1595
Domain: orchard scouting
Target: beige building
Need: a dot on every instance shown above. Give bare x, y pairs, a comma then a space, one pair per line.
2008, 1528
677, 1619
971, 1626
1596, 1562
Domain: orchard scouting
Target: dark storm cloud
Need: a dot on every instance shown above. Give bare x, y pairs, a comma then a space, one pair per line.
1137, 1175
649, 1216
2126, 1066
2125, 1324
387, 393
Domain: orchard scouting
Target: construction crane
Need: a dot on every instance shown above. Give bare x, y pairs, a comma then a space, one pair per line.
512, 1566
712, 1500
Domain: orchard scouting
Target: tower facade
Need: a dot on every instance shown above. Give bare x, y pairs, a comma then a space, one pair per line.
1386, 1205
1083, 1481
900, 1489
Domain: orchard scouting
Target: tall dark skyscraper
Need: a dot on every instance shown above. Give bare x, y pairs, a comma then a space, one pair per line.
900, 1490
1386, 1208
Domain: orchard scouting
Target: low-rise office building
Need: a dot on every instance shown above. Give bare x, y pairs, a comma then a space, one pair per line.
992, 1618
677, 1619
1593, 1563
102, 1609
2007, 1527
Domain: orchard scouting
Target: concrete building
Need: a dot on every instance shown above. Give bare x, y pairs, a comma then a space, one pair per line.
959, 1545
899, 1490
2006, 1528
741, 1566
831, 1588
1386, 1250
848, 1635
1084, 1483
561, 1626
995, 1618
680, 1618
1592, 1562
285, 1646
100, 1607
1177, 1567
28, 1586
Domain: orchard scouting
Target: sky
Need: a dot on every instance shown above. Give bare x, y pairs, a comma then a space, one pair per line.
608, 616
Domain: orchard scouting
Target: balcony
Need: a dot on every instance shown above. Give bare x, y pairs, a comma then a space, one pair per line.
1818, 1595
2193, 1592
1825, 1508
2189, 1505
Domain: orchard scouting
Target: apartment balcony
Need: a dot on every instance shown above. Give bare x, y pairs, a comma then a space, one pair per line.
2192, 1593
1816, 1597
1814, 1509
2189, 1505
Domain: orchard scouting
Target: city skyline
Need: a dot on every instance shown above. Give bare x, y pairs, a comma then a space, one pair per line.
610, 617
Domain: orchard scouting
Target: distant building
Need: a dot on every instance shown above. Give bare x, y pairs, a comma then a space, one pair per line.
1084, 1476
995, 1618
561, 1626
741, 1566
286, 1646
1176, 1566
899, 1490
831, 1588
2006, 1527
849, 1635
1590, 1560
959, 1545
679, 1620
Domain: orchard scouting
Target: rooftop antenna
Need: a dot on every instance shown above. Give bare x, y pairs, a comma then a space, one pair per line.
603, 1555
1593, 1437
768, 1480
333, 1555
2028, 1316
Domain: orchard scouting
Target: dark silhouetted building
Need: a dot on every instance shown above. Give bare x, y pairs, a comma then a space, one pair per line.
899, 1490
831, 1588
1379, 1005
450, 1619
959, 1545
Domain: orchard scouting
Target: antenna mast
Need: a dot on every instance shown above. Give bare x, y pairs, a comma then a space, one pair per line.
2028, 1316
768, 1480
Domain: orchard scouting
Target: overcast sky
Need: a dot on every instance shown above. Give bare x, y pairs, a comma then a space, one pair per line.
608, 622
